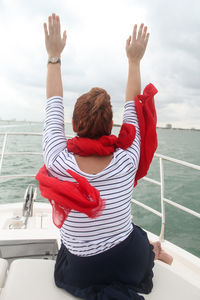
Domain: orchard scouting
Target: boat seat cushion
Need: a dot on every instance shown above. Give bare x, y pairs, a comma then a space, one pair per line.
34, 279
3, 271
170, 285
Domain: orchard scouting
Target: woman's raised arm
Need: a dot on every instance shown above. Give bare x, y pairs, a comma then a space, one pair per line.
135, 49
54, 46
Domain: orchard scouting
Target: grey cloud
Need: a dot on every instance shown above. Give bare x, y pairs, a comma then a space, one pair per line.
47, 7
172, 61
176, 36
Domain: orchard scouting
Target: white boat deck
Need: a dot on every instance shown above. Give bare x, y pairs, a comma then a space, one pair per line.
41, 220
33, 278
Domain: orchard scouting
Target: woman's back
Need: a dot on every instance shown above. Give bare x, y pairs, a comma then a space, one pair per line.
93, 164
114, 178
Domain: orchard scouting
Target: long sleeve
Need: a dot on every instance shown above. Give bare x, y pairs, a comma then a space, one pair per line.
54, 140
130, 117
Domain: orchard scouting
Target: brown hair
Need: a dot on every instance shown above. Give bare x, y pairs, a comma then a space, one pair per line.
92, 116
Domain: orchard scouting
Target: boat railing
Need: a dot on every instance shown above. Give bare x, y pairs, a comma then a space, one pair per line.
160, 183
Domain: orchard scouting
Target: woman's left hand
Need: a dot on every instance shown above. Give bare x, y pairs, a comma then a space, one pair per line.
53, 40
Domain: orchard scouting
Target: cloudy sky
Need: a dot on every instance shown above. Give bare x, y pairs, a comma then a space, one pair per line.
95, 54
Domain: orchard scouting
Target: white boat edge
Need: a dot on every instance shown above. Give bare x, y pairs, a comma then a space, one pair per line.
40, 226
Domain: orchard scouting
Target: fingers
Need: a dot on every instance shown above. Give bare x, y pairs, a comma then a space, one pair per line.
144, 33
50, 25
141, 35
128, 41
134, 33
146, 39
140, 31
54, 24
145, 36
58, 24
64, 37
45, 31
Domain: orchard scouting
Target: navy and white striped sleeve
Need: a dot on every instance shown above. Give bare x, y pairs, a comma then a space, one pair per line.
130, 117
54, 140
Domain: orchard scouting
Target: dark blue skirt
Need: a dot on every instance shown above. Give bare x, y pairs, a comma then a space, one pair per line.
118, 273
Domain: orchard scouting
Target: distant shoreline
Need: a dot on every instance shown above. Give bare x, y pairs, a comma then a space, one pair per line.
172, 128
177, 128
9, 122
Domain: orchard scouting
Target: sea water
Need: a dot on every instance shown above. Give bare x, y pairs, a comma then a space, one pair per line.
182, 184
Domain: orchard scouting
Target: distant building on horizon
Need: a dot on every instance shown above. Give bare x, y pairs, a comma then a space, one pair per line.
168, 126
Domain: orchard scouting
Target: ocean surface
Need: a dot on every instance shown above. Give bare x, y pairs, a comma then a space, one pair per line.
182, 184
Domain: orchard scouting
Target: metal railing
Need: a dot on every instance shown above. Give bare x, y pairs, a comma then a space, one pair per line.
160, 183
164, 200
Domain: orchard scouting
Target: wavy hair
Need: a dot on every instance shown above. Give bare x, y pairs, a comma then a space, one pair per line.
92, 116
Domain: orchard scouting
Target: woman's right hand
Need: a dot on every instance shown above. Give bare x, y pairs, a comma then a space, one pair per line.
53, 40
136, 45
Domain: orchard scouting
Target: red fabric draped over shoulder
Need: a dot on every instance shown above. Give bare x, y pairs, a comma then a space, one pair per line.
147, 118
79, 195
104, 145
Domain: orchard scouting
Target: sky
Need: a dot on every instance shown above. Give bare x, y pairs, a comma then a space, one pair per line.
95, 55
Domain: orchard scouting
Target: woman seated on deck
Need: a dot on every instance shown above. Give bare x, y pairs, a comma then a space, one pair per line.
89, 180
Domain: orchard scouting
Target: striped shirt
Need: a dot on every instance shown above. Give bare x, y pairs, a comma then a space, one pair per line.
82, 235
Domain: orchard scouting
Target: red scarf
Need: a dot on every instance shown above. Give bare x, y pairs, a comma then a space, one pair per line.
105, 145
147, 118
81, 196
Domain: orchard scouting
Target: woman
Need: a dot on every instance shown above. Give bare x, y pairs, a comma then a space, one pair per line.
103, 255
